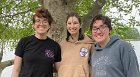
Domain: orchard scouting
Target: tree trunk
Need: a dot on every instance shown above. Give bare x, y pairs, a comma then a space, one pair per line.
95, 10
59, 10
4, 64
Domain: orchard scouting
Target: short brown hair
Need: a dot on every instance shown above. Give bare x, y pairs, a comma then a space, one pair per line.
106, 20
42, 12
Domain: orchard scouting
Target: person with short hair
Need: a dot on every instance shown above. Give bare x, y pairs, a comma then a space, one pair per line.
112, 57
36, 55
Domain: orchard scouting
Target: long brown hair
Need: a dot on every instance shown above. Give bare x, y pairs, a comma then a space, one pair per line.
81, 36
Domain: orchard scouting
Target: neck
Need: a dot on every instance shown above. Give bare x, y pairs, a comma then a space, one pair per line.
74, 38
39, 36
103, 44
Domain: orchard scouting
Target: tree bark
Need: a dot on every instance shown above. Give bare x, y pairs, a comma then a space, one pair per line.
59, 10
5, 64
95, 10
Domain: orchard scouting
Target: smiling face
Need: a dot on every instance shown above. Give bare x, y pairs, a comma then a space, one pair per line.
100, 32
41, 26
73, 25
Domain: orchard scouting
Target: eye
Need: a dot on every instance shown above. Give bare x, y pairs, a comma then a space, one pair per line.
69, 23
37, 20
75, 23
94, 28
103, 26
45, 21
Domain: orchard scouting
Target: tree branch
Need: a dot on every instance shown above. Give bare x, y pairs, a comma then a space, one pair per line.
41, 2
6, 63
1, 52
69, 1
96, 9
17, 13
19, 2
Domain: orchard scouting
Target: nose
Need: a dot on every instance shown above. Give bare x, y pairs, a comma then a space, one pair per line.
41, 23
72, 25
98, 30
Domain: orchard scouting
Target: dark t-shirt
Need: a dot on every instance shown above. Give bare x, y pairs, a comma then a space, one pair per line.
38, 56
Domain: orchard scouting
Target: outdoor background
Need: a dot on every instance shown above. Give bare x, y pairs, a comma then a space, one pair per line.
16, 22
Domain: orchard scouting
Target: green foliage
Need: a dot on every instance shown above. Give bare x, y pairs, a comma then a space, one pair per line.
106, 7
132, 34
88, 31
122, 20
126, 11
15, 16
127, 33
16, 19
124, 31
83, 6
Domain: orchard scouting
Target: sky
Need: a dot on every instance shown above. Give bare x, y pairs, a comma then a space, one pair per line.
138, 27
135, 12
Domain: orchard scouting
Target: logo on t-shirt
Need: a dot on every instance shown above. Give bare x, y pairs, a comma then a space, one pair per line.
83, 52
49, 53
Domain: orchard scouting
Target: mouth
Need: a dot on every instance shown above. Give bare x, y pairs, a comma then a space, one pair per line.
72, 30
41, 27
99, 36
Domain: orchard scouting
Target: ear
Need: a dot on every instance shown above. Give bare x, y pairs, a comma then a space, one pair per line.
110, 32
49, 27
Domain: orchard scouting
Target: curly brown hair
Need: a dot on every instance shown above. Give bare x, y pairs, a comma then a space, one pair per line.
42, 12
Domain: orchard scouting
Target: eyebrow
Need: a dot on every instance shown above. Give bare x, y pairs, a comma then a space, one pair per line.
96, 26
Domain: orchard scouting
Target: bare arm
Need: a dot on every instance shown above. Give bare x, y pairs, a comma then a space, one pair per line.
57, 65
17, 66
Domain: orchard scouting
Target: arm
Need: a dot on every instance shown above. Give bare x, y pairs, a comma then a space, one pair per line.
90, 65
17, 66
57, 65
133, 67
57, 58
130, 63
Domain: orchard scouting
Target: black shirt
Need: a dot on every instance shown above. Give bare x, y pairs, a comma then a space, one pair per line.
38, 56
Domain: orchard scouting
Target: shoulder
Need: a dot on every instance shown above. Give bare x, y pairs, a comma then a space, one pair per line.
53, 42
125, 43
25, 39
125, 46
63, 42
87, 40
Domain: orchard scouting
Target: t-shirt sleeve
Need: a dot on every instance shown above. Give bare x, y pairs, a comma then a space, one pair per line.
58, 54
20, 48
